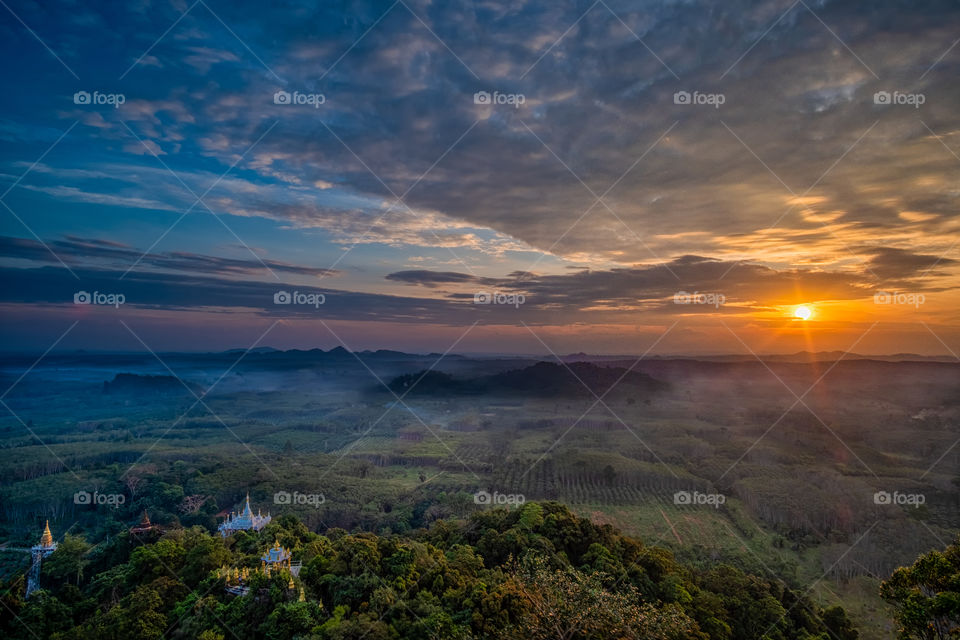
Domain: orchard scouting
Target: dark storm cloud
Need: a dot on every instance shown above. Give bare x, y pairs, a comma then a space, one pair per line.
432, 279
900, 265
743, 284
73, 250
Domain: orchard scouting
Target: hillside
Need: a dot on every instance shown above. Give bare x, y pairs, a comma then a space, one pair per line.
537, 572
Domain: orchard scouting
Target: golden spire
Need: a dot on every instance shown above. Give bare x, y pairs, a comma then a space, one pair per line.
46, 540
290, 584
302, 598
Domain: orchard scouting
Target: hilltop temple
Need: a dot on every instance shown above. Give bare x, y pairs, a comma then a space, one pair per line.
37, 553
276, 560
244, 521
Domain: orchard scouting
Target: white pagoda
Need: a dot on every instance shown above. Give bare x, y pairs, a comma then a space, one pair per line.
246, 520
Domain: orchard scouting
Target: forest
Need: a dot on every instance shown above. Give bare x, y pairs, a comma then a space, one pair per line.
537, 571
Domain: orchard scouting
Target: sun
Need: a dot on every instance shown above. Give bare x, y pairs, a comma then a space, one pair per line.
803, 312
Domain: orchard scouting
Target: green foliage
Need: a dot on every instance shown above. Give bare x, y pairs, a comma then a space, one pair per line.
927, 595
68, 561
534, 572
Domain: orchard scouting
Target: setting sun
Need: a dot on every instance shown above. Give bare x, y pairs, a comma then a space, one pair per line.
803, 312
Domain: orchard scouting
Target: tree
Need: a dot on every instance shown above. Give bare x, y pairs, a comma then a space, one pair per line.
927, 595
567, 604
68, 561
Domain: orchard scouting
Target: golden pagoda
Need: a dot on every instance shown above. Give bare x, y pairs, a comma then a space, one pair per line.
46, 540
37, 553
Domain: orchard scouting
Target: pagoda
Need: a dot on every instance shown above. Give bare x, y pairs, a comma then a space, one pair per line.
37, 553
246, 520
145, 526
278, 558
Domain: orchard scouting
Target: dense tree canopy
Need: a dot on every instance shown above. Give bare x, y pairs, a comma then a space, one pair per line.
534, 572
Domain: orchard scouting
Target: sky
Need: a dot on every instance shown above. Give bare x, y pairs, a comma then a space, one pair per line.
620, 177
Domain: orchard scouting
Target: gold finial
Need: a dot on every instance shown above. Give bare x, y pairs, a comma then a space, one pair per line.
290, 584
46, 540
302, 598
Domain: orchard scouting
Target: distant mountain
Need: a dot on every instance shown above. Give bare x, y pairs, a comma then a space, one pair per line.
254, 350
545, 379
801, 357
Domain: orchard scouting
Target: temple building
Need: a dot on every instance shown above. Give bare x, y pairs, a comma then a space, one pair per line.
145, 527
37, 553
278, 558
275, 560
246, 520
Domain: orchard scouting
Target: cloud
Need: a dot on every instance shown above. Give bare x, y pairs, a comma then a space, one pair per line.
744, 285
87, 251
